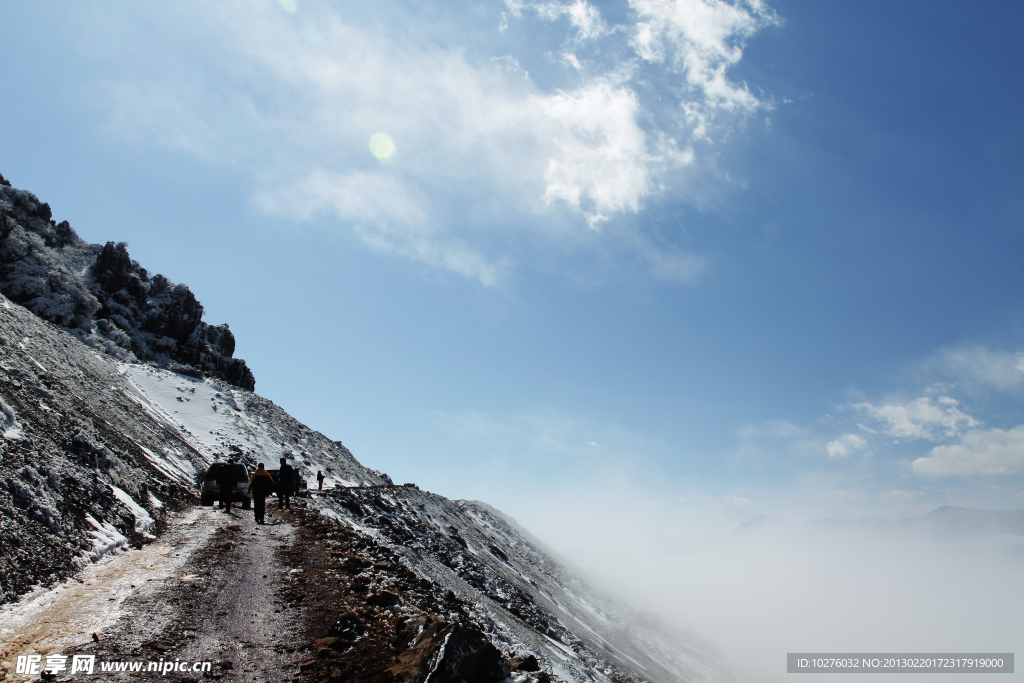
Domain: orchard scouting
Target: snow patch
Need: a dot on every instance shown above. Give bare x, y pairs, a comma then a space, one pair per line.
11, 426
143, 521
105, 538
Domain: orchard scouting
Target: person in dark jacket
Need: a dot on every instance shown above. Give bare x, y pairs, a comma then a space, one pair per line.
226, 480
260, 485
285, 481
320, 480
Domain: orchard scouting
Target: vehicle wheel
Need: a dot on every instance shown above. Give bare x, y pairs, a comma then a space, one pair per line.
246, 503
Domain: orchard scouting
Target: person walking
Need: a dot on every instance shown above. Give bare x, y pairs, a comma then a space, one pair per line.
320, 480
226, 480
285, 481
260, 485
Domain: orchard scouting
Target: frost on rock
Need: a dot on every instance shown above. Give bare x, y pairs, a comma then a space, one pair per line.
103, 297
143, 520
105, 538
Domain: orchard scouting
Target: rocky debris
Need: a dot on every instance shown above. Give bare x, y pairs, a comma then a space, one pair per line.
447, 653
103, 297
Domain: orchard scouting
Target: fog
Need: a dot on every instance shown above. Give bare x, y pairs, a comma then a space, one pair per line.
767, 589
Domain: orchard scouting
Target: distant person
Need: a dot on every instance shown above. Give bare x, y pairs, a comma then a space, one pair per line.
226, 480
260, 486
320, 480
285, 481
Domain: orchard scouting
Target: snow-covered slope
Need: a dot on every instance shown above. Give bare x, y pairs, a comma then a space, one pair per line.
221, 421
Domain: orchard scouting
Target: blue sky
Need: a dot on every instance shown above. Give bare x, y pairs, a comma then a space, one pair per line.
709, 259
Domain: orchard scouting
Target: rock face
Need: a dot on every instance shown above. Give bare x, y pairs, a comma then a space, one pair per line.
103, 297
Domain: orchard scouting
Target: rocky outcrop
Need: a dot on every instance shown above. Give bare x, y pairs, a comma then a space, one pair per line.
103, 297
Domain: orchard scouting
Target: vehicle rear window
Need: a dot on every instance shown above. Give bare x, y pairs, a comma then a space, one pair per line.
237, 469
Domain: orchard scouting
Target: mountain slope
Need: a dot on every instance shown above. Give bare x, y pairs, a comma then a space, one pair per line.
93, 448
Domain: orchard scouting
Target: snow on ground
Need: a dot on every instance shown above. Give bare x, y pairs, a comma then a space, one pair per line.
106, 539
67, 615
208, 418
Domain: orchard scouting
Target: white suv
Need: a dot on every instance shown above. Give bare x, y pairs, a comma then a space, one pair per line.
211, 492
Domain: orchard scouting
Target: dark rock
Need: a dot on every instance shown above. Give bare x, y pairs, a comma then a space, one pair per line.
384, 599
332, 642
484, 665
497, 553
348, 627
527, 663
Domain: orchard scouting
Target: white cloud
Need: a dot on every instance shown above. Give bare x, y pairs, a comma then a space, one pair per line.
386, 215
482, 151
844, 445
922, 418
582, 15
701, 39
736, 500
989, 451
600, 156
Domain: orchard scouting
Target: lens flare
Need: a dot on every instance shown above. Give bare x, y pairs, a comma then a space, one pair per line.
382, 146
290, 6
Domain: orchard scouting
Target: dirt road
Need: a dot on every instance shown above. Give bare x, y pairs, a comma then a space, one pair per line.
210, 591
299, 599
